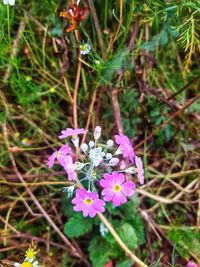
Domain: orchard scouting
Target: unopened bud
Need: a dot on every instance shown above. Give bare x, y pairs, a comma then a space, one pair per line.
108, 155
114, 161
110, 143
91, 143
97, 132
84, 147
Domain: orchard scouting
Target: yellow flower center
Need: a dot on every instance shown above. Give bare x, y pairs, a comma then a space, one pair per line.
83, 47
117, 188
30, 253
26, 264
57, 154
88, 201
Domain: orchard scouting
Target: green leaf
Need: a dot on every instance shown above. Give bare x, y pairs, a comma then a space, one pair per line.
163, 37
185, 241
99, 251
151, 45
113, 65
125, 263
77, 226
127, 233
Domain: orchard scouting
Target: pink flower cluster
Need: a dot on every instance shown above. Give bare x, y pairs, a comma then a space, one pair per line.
191, 264
115, 187
64, 155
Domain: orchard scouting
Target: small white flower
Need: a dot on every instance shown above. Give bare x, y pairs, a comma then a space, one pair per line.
91, 143
75, 141
85, 48
29, 259
97, 62
114, 161
97, 132
79, 165
103, 154
103, 229
9, 2
131, 170
69, 190
110, 143
95, 156
118, 152
27, 263
108, 156
84, 147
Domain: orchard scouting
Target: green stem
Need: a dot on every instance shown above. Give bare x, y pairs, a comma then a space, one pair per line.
8, 25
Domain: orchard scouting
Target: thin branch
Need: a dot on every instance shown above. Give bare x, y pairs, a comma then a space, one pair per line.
128, 252
97, 28
167, 121
71, 248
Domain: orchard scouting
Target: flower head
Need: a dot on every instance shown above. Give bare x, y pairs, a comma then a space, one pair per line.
30, 253
9, 2
27, 264
88, 202
71, 132
60, 155
69, 167
140, 169
125, 146
191, 264
116, 188
74, 15
85, 48
95, 156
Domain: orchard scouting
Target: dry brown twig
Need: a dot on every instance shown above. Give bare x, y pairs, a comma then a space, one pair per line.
71, 248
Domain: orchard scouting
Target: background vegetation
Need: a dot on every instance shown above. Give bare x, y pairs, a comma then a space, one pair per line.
141, 78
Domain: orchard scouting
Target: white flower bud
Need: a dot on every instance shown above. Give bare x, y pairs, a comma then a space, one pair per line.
79, 165
108, 155
97, 132
103, 154
69, 190
91, 143
114, 161
131, 170
118, 152
75, 141
84, 147
110, 143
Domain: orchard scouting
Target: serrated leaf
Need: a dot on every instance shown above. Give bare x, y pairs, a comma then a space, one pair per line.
77, 226
127, 233
99, 252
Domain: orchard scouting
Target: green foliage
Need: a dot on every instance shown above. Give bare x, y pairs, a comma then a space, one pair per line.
185, 242
116, 63
99, 252
125, 263
77, 226
127, 233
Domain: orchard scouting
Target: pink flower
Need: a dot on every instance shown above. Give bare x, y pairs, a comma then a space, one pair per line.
88, 202
140, 169
69, 167
125, 146
71, 132
60, 155
191, 264
116, 188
